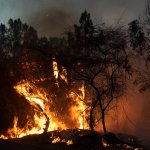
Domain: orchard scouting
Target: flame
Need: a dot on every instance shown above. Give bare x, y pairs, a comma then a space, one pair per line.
63, 74
59, 140
104, 143
15, 131
126, 146
38, 99
44, 119
55, 69
78, 110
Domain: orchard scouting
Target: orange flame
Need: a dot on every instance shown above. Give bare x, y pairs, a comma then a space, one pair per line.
55, 69
78, 110
59, 140
44, 119
38, 98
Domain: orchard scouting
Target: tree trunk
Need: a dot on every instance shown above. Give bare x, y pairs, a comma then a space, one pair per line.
92, 123
103, 122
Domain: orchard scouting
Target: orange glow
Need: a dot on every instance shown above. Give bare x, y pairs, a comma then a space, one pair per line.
63, 74
55, 69
59, 140
37, 97
44, 119
105, 144
78, 109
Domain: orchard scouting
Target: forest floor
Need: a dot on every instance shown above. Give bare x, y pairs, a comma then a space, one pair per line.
75, 140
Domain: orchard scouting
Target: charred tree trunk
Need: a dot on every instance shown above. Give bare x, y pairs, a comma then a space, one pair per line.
91, 123
103, 122
98, 99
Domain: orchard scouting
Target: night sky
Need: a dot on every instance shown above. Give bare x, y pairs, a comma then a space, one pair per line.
50, 17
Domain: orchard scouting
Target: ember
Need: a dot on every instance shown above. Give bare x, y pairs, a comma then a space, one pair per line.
59, 140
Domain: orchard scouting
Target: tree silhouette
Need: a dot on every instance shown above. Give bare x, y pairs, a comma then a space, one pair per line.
95, 54
139, 32
98, 56
137, 36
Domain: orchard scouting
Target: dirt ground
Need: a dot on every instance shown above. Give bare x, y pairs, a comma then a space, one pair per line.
81, 140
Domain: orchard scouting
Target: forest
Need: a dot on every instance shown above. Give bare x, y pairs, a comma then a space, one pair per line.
92, 63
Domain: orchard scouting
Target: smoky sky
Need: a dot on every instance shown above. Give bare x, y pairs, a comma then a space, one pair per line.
50, 17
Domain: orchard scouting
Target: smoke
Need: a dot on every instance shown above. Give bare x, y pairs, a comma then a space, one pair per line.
133, 113
131, 116
51, 22
50, 17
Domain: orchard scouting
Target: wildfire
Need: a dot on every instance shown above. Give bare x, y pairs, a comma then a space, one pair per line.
78, 110
44, 119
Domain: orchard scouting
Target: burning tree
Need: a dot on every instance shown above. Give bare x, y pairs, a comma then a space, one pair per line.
37, 82
97, 55
84, 74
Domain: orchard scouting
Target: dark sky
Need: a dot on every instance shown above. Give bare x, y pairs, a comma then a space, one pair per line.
50, 17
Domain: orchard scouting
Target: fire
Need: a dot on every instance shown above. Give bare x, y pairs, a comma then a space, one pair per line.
44, 119
104, 143
57, 73
59, 140
126, 146
15, 131
38, 98
78, 110
63, 74
55, 69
